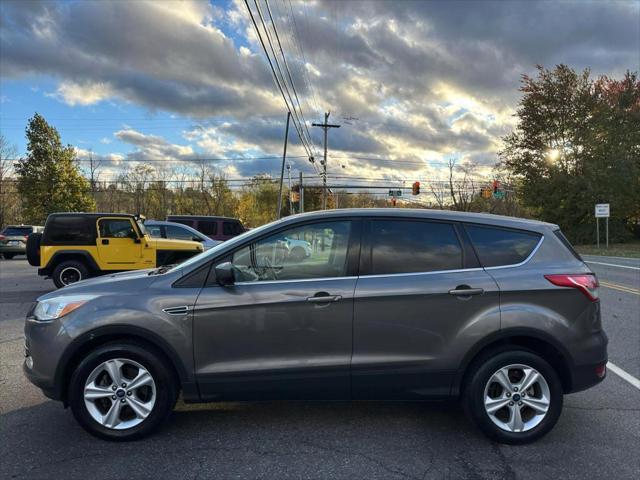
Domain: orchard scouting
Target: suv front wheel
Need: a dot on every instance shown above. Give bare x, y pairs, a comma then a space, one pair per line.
514, 396
122, 391
68, 272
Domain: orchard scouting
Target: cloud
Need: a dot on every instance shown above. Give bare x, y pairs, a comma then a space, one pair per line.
427, 81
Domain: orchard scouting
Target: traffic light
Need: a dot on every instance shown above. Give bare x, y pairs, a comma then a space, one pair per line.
416, 188
486, 192
496, 186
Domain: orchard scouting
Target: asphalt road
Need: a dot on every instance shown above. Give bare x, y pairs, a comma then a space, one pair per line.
597, 436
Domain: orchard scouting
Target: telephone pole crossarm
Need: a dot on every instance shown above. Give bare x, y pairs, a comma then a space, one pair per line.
325, 126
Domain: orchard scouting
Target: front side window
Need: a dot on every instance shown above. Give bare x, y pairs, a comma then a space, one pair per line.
402, 246
498, 246
310, 251
116, 228
178, 233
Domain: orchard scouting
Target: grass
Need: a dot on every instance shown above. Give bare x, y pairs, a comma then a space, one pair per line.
630, 249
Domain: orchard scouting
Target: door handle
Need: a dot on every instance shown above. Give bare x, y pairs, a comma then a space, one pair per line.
465, 291
324, 298
105, 241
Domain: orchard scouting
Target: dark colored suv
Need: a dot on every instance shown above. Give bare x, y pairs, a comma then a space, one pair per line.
216, 228
400, 304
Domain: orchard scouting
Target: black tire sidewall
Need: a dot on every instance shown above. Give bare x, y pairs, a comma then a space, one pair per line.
32, 249
78, 265
9, 256
474, 396
163, 376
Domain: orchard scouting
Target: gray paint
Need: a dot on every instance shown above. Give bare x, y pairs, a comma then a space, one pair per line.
389, 336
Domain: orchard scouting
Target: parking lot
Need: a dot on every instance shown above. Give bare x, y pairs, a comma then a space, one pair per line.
597, 436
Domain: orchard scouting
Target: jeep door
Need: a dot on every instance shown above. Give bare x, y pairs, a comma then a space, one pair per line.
284, 328
420, 305
118, 245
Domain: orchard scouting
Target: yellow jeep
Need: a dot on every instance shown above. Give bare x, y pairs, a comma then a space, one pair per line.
75, 246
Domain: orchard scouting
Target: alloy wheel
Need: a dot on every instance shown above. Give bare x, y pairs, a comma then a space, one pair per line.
517, 398
119, 394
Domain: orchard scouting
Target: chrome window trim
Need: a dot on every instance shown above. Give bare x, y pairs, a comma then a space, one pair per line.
434, 272
525, 261
263, 282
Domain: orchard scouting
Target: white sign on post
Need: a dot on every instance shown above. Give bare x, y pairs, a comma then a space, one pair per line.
602, 210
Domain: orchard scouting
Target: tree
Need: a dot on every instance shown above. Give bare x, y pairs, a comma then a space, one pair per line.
9, 199
576, 144
48, 178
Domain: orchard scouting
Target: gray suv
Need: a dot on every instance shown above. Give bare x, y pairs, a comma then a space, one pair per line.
498, 312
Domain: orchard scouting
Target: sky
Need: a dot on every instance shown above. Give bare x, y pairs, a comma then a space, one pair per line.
413, 84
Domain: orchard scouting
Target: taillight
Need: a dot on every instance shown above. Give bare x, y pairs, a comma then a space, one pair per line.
587, 283
2, 237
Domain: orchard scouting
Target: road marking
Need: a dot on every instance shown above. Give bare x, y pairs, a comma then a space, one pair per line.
622, 288
613, 265
624, 375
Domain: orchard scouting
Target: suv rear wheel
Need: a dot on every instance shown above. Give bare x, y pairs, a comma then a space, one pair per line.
514, 397
122, 391
68, 272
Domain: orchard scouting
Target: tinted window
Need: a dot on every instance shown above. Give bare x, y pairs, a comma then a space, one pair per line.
231, 228
187, 222
178, 233
400, 246
17, 231
497, 246
116, 228
71, 231
208, 227
317, 250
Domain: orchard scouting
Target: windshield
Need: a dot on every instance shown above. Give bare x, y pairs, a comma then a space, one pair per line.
17, 231
141, 227
213, 252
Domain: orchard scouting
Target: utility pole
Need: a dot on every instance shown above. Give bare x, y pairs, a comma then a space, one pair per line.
325, 126
284, 157
301, 194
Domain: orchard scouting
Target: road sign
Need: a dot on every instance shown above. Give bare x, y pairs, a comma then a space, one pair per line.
395, 193
498, 195
602, 210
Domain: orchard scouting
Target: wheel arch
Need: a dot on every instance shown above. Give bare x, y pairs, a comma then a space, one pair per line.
66, 255
111, 333
527, 338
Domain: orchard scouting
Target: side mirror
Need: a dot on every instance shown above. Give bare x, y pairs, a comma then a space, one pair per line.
225, 274
137, 240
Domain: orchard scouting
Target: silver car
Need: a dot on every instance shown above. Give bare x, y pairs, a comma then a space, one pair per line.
177, 231
497, 312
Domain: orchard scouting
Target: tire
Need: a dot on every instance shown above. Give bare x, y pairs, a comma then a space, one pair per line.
297, 254
158, 396
9, 256
33, 249
502, 426
69, 271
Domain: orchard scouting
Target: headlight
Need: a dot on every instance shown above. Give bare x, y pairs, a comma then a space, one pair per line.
57, 307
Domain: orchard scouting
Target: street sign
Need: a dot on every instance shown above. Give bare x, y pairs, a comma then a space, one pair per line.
498, 195
602, 210
395, 193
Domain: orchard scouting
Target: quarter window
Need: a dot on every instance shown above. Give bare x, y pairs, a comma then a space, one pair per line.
311, 251
498, 246
403, 246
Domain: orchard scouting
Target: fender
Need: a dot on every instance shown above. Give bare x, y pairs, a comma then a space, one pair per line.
104, 334
86, 256
501, 335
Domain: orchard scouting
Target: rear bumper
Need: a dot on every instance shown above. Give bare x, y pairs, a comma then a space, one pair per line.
586, 375
18, 250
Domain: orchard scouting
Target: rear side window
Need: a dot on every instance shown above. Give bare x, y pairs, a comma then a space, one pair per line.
400, 246
69, 230
208, 227
499, 246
